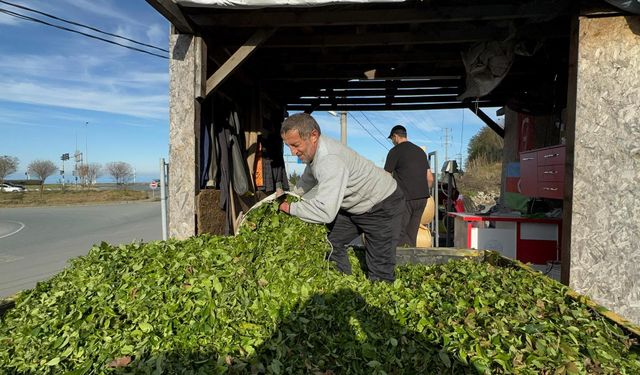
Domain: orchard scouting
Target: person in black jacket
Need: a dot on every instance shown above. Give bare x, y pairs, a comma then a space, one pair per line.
409, 165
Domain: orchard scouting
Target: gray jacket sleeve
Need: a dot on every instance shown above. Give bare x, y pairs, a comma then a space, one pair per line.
305, 183
332, 176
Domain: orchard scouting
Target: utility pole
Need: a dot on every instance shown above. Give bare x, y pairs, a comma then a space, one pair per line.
78, 159
86, 148
343, 127
446, 144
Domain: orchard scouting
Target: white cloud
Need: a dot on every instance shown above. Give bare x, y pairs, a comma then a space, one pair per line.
84, 82
19, 119
122, 103
158, 35
48, 66
103, 9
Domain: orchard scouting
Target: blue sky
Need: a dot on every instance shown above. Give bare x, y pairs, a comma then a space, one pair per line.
424, 128
54, 82
59, 89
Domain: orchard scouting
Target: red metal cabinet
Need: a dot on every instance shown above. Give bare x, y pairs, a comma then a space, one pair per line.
528, 173
551, 173
542, 172
550, 189
551, 155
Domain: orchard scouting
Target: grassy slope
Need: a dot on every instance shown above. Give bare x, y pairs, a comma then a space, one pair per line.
480, 175
57, 197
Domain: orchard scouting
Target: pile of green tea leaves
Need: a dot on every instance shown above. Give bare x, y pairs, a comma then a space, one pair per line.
265, 301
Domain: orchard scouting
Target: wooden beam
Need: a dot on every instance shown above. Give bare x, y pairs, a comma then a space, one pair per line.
352, 57
463, 34
390, 107
367, 84
569, 164
172, 12
291, 90
237, 58
376, 100
425, 14
363, 74
295, 93
487, 120
289, 93
374, 70
218, 56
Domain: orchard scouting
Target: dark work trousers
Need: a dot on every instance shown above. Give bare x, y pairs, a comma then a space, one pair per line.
411, 222
381, 226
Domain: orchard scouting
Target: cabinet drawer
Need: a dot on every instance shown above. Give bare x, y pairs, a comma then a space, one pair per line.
551, 156
554, 190
551, 173
528, 174
528, 159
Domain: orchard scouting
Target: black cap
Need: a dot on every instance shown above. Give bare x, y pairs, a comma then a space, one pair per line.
399, 130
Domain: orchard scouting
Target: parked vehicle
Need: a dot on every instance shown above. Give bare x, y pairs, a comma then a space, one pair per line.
15, 185
9, 188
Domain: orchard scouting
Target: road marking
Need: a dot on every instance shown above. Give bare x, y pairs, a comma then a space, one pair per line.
15, 231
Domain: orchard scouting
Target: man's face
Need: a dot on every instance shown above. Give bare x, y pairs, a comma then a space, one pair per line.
394, 139
305, 149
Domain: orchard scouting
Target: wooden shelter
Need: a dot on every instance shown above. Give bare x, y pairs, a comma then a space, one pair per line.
570, 66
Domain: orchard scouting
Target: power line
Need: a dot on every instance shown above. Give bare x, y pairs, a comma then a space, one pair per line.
27, 18
81, 25
374, 126
414, 123
422, 121
368, 132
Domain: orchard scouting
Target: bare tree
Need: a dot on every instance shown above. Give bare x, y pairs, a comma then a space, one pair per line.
120, 171
89, 173
42, 169
94, 172
83, 172
8, 165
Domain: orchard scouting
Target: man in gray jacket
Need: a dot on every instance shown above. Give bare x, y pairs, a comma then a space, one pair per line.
350, 193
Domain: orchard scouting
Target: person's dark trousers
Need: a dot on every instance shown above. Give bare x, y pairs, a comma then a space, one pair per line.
381, 226
413, 214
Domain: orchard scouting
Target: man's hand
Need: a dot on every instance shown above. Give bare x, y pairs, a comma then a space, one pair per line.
284, 207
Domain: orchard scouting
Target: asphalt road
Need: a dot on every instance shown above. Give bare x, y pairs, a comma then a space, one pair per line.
37, 242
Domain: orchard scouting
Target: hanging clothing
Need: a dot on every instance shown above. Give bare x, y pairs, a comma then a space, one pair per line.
208, 147
273, 166
223, 137
240, 176
257, 166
